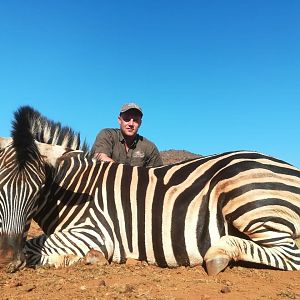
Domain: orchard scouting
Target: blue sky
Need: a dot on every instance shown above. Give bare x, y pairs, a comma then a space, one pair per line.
211, 76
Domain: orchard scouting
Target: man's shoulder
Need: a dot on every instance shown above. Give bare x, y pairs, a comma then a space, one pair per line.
108, 134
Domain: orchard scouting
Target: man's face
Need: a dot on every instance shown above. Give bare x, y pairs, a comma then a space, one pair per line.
130, 121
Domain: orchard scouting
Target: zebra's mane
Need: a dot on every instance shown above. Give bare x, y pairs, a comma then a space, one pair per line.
30, 126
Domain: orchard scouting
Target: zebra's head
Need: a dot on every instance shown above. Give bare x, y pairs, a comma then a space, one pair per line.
27, 160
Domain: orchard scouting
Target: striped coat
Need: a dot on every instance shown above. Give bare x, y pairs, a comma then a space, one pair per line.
233, 206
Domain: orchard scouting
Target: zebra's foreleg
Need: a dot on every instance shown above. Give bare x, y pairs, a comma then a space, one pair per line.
42, 250
33, 248
282, 254
65, 248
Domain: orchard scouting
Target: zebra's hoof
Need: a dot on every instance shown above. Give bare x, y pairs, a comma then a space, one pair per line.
94, 257
216, 265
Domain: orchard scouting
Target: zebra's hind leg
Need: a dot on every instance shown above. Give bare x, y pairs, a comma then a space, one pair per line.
278, 253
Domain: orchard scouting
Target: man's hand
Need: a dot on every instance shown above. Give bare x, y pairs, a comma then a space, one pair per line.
102, 157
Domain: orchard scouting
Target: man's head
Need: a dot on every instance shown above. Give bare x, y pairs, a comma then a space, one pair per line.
130, 119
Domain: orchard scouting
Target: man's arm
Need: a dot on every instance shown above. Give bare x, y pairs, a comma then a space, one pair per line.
103, 145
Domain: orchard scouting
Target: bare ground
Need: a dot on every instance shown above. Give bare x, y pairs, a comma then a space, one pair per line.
140, 281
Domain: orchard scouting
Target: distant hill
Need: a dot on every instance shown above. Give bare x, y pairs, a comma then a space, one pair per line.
174, 156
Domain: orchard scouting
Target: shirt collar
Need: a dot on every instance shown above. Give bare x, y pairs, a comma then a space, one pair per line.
122, 140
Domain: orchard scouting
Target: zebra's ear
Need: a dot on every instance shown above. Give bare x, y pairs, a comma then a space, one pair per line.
51, 153
4, 142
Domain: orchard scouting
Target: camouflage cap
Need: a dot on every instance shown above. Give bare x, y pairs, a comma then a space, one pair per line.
129, 106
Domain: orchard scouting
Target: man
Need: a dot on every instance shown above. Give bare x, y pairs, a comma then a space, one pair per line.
125, 145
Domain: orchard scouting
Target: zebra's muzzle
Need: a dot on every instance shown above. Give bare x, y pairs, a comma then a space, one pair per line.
11, 253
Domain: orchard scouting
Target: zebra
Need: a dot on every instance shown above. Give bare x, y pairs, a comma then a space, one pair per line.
210, 211
25, 160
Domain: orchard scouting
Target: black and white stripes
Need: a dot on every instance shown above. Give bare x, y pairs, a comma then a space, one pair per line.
172, 215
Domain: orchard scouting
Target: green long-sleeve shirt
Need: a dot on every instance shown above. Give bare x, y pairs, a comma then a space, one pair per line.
142, 152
